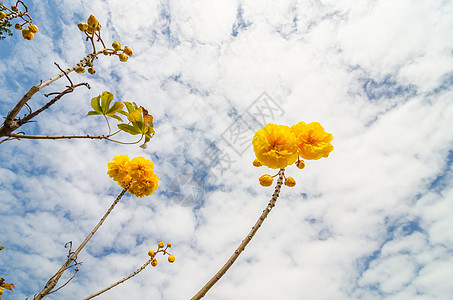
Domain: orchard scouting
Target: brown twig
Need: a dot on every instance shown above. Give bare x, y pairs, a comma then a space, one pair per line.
120, 281
57, 137
50, 285
244, 243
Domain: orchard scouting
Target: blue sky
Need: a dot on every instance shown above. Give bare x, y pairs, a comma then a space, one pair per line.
372, 221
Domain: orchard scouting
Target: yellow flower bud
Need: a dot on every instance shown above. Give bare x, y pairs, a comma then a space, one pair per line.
27, 34
33, 28
18, 26
116, 46
161, 245
2, 14
98, 27
91, 71
171, 258
14, 8
300, 164
168, 245
154, 262
80, 69
290, 182
128, 51
105, 52
1, 290
266, 180
123, 57
256, 163
151, 253
89, 63
82, 26
92, 21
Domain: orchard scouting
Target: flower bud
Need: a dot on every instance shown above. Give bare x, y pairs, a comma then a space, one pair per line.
80, 69
91, 71
289, 181
90, 29
1, 290
266, 180
154, 262
2, 14
92, 21
82, 26
105, 52
171, 258
27, 34
168, 245
151, 253
300, 164
128, 51
98, 27
18, 26
161, 245
123, 57
116, 46
14, 8
256, 163
33, 28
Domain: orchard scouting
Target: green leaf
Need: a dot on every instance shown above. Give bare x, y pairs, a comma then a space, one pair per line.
106, 99
128, 128
129, 106
115, 117
116, 107
92, 113
95, 104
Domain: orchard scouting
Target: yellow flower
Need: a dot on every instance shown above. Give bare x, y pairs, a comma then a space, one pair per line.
275, 146
128, 51
266, 180
92, 21
82, 26
312, 140
2, 14
33, 28
290, 182
27, 34
118, 170
140, 168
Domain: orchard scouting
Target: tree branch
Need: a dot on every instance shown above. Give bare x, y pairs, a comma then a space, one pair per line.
57, 137
244, 243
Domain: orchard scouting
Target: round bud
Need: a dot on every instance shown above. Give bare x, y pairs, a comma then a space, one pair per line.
98, 27
128, 51
289, 181
171, 258
256, 163
123, 57
151, 253
105, 52
14, 8
116, 46
1, 290
2, 14
82, 26
80, 69
27, 34
91, 71
92, 21
89, 63
266, 180
161, 245
33, 28
168, 245
154, 262
18, 26
300, 164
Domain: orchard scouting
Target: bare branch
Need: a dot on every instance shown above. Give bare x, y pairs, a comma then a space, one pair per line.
57, 137
244, 243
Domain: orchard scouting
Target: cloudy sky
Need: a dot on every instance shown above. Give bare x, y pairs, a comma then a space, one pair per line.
372, 221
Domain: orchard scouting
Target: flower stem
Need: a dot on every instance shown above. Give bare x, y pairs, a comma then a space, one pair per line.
50, 285
120, 281
244, 243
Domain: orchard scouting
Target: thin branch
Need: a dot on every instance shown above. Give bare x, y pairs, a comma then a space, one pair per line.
10, 125
244, 243
50, 285
57, 137
120, 281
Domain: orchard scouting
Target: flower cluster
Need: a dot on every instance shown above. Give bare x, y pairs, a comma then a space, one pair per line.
278, 146
138, 172
13, 12
92, 30
160, 248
